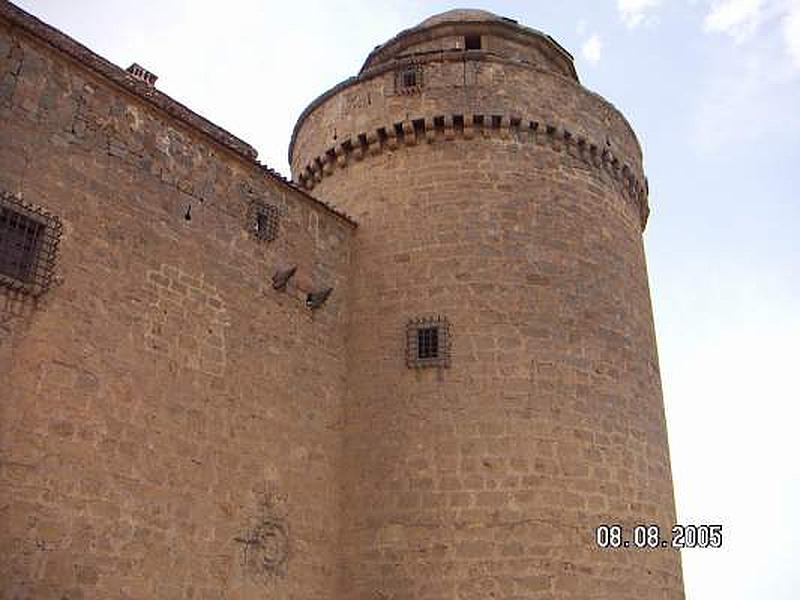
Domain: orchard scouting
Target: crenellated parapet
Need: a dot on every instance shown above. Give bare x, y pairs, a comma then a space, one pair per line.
441, 128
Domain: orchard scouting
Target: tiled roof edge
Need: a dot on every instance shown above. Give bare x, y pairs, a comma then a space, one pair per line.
96, 63
109, 70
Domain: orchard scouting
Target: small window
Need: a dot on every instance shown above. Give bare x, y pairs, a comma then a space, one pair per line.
428, 343
265, 220
263, 224
19, 242
28, 246
472, 42
408, 79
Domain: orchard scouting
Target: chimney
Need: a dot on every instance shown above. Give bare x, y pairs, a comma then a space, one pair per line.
142, 74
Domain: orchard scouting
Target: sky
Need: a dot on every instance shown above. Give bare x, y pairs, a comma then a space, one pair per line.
712, 88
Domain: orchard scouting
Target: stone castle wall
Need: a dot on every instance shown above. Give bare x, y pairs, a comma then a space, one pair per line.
169, 422
172, 426
487, 479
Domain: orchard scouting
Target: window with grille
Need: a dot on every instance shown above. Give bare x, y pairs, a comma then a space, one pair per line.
408, 79
264, 221
28, 246
428, 342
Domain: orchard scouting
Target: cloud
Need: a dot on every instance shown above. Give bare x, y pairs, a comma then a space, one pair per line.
791, 33
756, 75
737, 18
592, 49
633, 12
740, 19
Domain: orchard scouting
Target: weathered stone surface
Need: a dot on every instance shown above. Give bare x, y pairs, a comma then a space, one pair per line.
174, 426
163, 401
487, 479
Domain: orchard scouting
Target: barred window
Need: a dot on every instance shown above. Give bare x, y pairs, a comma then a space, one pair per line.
28, 246
19, 241
264, 221
428, 342
408, 79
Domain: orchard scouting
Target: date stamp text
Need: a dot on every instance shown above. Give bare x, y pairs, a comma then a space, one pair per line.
613, 536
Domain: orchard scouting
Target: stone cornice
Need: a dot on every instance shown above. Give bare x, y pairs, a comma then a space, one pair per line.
440, 128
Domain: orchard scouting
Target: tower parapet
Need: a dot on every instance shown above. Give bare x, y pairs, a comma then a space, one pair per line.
458, 73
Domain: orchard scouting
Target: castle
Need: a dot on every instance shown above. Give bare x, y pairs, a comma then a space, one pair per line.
424, 368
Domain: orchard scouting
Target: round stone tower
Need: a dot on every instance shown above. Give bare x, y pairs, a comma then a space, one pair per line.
504, 388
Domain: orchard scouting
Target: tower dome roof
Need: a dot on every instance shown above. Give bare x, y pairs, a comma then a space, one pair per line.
466, 20
462, 15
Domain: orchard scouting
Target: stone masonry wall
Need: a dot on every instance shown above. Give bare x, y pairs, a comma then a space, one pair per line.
456, 87
169, 423
487, 479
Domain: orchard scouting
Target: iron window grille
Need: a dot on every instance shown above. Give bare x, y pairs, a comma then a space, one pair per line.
29, 238
408, 79
428, 342
264, 221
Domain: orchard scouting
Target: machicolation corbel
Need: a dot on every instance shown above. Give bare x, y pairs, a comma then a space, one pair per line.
433, 129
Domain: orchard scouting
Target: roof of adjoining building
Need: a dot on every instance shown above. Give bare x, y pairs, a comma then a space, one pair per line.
149, 94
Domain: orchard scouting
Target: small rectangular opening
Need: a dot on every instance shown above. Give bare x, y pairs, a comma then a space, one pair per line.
262, 223
408, 78
428, 342
472, 42
19, 244
29, 240
265, 224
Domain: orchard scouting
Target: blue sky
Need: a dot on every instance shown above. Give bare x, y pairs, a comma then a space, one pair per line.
713, 90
